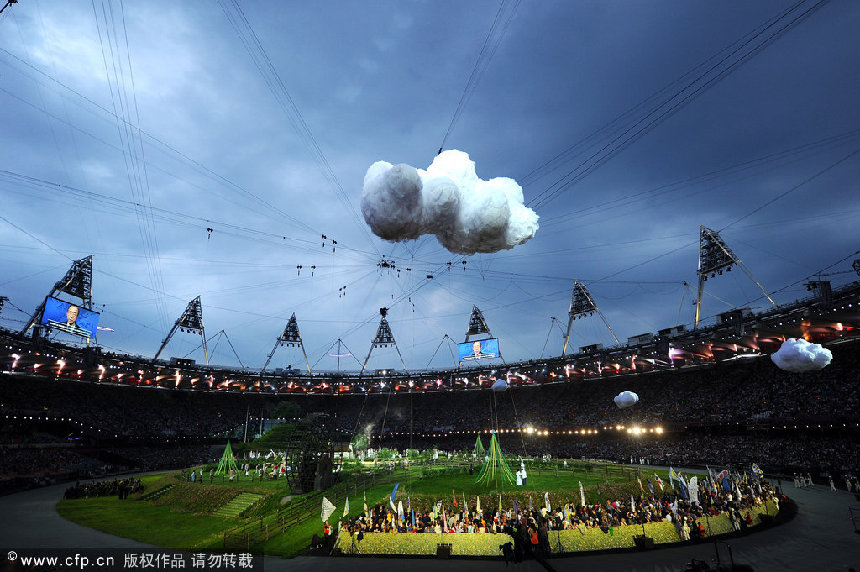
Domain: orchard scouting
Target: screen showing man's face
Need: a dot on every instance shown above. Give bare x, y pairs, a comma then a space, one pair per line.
476, 347
72, 314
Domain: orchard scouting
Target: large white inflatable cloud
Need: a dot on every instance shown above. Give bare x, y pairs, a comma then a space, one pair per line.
626, 399
796, 354
449, 200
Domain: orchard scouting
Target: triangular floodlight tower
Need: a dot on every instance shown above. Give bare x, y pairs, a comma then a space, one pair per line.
478, 327
383, 339
714, 257
290, 338
477, 324
582, 305
190, 321
77, 282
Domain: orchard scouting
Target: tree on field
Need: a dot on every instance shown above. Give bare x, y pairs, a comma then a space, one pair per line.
359, 444
287, 410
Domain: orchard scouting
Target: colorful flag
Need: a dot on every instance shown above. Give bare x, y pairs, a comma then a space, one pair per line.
683, 486
478, 505
327, 509
650, 486
632, 504
546, 501
365, 504
346, 508
757, 471
659, 481
400, 513
693, 487
391, 499
581, 493
444, 521
455, 497
672, 477
640, 484
723, 479
516, 509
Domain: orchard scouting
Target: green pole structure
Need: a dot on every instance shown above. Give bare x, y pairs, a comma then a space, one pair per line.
495, 467
227, 462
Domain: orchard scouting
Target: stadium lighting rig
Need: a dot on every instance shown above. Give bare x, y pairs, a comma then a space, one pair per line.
78, 283
290, 338
714, 257
383, 339
191, 321
581, 306
478, 327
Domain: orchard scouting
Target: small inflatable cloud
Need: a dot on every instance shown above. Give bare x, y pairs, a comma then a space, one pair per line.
499, 385
626, 399
449, 200
796, 354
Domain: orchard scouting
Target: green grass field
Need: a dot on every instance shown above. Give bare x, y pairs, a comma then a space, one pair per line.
183, 516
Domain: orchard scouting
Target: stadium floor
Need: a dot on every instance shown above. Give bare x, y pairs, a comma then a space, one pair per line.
820, 538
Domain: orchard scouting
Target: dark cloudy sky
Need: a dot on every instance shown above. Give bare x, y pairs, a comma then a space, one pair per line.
261, 122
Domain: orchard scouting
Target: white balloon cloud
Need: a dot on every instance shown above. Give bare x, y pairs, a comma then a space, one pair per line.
466, 213
798, 355
499, 385
626, 399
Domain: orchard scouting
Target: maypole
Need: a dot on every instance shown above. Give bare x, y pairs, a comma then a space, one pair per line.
495, 468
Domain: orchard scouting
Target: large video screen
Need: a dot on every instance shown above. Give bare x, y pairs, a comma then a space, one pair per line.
70, 318
479, 349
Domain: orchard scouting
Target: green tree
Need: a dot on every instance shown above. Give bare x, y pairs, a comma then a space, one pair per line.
287, 410
359, 444
385, 454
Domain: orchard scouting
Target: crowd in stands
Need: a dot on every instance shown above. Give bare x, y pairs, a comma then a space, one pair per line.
741, 391
705, 411
120, 488
36, 462
530, 526
151, 458
28, 467
105, 411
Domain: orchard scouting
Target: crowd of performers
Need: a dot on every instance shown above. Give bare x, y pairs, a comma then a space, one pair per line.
530, 526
